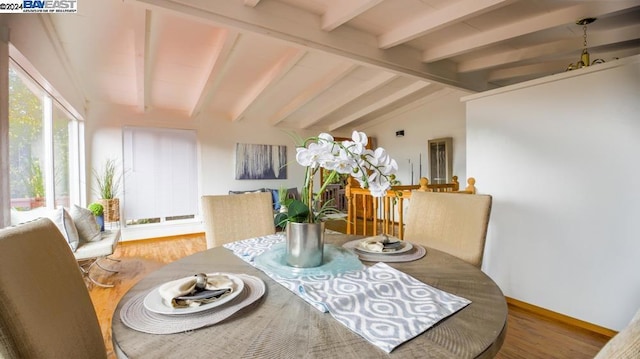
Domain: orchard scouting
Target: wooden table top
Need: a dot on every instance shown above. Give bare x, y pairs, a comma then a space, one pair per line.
283, 325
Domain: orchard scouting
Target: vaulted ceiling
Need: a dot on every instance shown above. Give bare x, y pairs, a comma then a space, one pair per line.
325, 64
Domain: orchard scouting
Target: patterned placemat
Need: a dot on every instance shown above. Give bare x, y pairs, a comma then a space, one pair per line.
415, 253
136, 316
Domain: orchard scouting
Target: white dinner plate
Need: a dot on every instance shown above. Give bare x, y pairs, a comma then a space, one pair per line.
406, 246
153, 301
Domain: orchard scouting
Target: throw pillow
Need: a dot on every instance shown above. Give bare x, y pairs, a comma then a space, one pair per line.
62, 219
275, 198
18, 217
88, 228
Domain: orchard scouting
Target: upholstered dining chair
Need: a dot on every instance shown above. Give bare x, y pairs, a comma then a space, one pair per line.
46, 311
625, 344
228, 218
454, 223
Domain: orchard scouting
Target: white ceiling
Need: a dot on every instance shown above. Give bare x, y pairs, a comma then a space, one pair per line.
325, 64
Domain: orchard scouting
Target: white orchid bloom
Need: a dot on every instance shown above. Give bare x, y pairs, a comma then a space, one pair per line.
377, 189
351, 147
367, 159
359, 142
313, 156
360, 137
385, 164
343, 163
325, 137
389, 168
378, 184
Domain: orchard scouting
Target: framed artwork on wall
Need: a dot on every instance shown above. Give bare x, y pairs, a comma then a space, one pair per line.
258, 162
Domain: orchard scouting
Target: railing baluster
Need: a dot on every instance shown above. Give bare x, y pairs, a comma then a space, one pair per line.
375, 216
392, 205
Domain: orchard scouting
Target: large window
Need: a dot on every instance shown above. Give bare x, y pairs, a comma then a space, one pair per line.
43, 143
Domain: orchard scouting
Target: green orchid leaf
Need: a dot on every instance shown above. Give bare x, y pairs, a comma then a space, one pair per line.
297, 211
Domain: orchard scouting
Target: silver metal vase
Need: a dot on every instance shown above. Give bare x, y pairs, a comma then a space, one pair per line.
305, 243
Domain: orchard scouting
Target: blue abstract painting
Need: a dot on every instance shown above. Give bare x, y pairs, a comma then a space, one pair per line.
260, 161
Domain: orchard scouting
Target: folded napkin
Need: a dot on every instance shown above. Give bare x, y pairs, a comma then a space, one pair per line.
382, 243
173, 292
384, 305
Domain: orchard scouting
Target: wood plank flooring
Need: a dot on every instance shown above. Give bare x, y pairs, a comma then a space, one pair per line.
529, 335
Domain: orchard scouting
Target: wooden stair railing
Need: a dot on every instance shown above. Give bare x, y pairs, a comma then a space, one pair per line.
363, 210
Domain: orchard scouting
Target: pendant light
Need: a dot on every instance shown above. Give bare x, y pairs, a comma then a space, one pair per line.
584, 57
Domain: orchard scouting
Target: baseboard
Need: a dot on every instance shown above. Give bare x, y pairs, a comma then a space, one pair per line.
562, 318
161, 239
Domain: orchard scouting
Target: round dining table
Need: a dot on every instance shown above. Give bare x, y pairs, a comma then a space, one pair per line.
282, 325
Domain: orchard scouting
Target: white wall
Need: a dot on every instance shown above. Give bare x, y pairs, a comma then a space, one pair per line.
216, 145
560, 157
440, 115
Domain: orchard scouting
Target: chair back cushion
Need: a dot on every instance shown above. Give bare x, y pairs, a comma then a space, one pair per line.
46, 311
229, 218
454, 223
625, 344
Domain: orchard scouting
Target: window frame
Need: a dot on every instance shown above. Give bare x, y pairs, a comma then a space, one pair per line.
51, 101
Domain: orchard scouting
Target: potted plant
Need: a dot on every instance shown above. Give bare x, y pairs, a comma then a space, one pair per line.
108, 181
373, 169
98, 211
35, 184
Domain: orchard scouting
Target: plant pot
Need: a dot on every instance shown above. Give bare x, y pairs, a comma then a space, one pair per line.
100, 221
305, 243
36, 202
111, 209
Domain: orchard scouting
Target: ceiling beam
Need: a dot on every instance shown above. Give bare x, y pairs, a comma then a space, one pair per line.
355, 92
279, 69
340, 12
528, 70
251, 3
302, 29
378, 104
613, 36
142, 33
312, 91
530, 25
225, 43
436, 20
414, 101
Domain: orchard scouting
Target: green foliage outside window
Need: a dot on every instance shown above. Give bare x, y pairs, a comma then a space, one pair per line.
35, 180
25, 139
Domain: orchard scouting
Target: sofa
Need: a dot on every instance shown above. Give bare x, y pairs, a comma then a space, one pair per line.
275, 196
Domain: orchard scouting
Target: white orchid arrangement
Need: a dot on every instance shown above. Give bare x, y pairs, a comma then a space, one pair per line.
373, 169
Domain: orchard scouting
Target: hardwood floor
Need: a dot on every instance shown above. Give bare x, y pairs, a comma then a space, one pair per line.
529, 335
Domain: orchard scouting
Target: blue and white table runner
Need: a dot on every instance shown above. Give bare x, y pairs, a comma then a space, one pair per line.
383, 305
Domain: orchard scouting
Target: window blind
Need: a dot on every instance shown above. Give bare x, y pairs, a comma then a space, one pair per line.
160, 173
